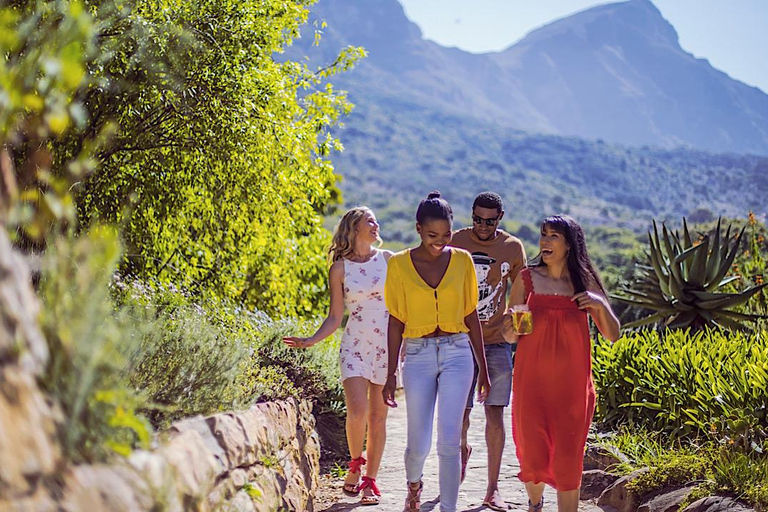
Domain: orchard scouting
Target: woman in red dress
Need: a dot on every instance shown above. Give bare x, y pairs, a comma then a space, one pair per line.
553, 398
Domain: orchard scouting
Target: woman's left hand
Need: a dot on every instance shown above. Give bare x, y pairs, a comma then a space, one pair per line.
483, 387
589, 300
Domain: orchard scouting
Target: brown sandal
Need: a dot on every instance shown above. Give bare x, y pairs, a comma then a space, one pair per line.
413, 501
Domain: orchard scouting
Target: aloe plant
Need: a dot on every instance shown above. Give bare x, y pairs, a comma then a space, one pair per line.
680, 283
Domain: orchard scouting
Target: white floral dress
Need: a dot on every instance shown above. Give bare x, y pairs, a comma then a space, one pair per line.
364, 342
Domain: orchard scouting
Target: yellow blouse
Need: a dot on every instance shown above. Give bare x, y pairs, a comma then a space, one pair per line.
422, 308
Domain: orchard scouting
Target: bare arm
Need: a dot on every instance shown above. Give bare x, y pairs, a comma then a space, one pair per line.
394, 340
517, 296
335, 312
598, 307
472, 321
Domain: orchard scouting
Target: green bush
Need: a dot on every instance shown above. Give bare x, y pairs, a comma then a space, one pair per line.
710, 383
186, 366
710, 467
88, 341
217, 356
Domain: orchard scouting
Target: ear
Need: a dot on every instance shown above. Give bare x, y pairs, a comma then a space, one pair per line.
501, 215
418, 228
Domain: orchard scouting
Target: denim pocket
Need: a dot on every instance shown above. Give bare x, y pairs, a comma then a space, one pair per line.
411, 349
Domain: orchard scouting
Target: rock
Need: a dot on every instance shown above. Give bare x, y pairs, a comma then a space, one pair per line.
603, 457
594, 482
39, 502
113, 488
717, 504
231, 437
617, 496
665, 501
159, 477
195, 468
20, 337
199, 425
28, 448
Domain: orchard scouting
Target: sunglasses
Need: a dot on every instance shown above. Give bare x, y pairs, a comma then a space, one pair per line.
488, 222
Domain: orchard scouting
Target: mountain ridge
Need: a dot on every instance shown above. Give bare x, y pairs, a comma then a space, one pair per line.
615, 72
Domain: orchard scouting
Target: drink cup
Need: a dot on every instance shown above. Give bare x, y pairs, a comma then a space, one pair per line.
522, 319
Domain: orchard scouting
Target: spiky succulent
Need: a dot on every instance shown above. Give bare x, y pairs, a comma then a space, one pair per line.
680, 284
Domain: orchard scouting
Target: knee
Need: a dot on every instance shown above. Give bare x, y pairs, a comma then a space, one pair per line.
356, 412
448, 450
377, 419
494, 417
416, 452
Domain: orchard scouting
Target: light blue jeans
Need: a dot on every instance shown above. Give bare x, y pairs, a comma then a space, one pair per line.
442, 369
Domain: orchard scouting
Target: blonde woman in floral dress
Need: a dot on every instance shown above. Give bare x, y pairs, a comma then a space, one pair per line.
356, 278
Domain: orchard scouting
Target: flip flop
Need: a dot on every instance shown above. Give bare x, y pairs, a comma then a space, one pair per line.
464, 464
493, 504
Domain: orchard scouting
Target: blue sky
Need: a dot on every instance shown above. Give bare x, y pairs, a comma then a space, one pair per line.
731, 34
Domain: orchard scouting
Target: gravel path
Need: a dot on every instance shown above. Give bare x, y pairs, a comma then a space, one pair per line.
391, 479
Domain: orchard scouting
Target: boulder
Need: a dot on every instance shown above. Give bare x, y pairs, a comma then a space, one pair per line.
717, 504
665, 501
594, 482
603, 457
617, 495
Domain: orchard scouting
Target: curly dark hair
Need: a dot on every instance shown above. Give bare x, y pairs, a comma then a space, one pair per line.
488, 200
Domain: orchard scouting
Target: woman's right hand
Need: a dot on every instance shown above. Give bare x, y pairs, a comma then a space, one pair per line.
388, 392
295, 342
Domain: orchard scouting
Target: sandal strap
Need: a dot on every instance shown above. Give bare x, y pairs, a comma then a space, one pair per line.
538, 506
414, 495
355, 464
369, 482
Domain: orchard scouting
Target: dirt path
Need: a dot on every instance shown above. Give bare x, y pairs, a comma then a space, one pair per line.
391, 479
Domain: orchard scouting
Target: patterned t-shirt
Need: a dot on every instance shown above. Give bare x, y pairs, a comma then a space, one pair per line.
497, 263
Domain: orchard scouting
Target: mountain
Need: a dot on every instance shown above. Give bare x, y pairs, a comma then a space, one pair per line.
614, 72
583, 116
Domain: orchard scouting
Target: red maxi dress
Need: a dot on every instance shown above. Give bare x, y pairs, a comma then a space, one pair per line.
553, 397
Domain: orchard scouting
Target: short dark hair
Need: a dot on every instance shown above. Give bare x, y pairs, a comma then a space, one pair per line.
488, 200
434, 207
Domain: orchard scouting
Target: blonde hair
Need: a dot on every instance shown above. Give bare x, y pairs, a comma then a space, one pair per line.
343, 241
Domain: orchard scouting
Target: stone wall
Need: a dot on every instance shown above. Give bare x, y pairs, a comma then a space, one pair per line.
28, 450
263, 459
266, 458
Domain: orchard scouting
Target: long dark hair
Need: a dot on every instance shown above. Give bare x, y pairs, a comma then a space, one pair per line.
580, 267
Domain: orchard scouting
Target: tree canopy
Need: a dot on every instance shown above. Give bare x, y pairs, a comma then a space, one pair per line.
218, 171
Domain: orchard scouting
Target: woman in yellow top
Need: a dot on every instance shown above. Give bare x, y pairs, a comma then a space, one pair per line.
431, 294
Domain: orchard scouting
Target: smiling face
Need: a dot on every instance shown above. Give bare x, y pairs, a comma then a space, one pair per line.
435, 235
553, 246
480, 218
367, 228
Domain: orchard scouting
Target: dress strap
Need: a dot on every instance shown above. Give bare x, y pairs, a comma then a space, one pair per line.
528, 283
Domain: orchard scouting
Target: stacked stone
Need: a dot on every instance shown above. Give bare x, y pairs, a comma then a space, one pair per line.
265, 458
29, 454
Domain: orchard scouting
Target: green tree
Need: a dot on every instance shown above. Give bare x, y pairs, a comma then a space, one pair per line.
219, 173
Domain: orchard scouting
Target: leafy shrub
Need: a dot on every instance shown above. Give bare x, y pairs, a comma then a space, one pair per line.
709, 383
202, 359
186, 365
88, 341
674, 468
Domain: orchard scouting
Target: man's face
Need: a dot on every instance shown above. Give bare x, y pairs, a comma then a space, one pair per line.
481, 217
